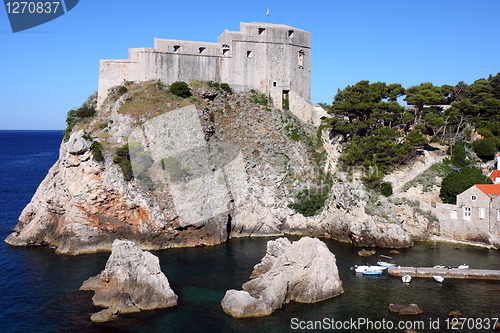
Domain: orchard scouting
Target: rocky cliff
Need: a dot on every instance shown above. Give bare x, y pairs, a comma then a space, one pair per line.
132, 281
304, 271
200, 170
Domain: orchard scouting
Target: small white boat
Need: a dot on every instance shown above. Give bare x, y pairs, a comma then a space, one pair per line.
362, 268
373, 270
406, 278
439, 266
385, 264
438, 278
464, 266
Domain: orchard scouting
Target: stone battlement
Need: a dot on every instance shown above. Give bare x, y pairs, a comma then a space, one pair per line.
271, 58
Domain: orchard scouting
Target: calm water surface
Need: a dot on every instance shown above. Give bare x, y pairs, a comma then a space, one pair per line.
39, 289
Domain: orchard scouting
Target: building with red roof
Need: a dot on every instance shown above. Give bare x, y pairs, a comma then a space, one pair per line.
495, 176
476, 216
478, 207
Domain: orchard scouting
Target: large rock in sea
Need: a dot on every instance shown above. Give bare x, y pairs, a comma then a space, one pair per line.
132, 281
304, 271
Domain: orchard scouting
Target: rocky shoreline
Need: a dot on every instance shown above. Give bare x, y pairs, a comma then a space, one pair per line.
233, 167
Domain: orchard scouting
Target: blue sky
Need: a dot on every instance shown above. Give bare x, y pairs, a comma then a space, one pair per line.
49, 69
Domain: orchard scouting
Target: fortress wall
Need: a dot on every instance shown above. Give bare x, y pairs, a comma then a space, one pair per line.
270, 58
170, 67
302, 108
302, 76
273, 67
187, 47
111, 73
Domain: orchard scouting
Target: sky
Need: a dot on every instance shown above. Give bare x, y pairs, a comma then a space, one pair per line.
48, 70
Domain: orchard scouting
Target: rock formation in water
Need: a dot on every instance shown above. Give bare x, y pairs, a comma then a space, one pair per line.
304, 271
132, 281
405, 310
200, 171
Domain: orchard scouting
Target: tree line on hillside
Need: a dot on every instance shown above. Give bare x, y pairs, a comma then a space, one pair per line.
379, 133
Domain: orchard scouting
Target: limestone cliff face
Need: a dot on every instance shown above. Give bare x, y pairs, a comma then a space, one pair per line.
205, 169
132, 281
83, 205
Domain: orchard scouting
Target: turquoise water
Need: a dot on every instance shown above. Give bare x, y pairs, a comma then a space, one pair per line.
39, 289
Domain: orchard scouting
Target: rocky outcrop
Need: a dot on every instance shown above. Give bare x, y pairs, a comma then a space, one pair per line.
347, 218
223, 167
405, 310
132, 281
304, 271
366, 253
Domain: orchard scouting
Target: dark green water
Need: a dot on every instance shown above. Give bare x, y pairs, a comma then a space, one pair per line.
200, 277
39, 289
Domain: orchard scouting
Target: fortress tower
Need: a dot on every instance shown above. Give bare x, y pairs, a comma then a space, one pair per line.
271, 58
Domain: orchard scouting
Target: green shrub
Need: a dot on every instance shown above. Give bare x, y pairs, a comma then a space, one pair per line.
122, 90
213, 84
484, 149
122, 158
458, 181
180, 89
260, 99
484, 132
286, 103
494, 141
415, 138
75, 116
226, 88
309, 203
96, 149
458, 155
386, 189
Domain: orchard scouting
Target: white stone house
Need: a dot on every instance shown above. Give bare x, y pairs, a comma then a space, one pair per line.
480, 205
477, 212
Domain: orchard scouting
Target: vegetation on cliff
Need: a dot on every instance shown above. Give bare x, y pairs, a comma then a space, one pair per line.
180, 89
122, 158
462, 175
367, 116
84, 112
379, 134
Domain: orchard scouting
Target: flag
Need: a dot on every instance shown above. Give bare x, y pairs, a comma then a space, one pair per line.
267, 12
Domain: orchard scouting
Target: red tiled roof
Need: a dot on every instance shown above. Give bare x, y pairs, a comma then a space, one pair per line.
494, 174
489, 189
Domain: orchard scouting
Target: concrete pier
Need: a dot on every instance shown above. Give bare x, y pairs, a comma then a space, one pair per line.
453, 273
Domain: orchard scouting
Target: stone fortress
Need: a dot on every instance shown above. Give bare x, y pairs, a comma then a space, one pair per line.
274, 59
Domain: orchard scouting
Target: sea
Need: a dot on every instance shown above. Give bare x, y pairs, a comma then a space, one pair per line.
39, 289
